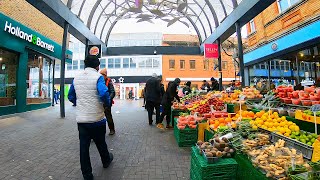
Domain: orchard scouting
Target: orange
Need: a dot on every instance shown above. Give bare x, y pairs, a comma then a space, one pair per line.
228, 120
221, 120
251, 114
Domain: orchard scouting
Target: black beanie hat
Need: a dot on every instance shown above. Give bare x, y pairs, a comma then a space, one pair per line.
91, 61
188, 83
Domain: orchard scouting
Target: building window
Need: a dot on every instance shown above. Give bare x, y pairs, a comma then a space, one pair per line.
192, 64
171, 64
8, 79
133, 63
39, 81
125, 43
111, 63
285, 4
156, 63
272, 65
263, 65
102, 63
182, 64
125, 63
69, 66
57, 68
257, 66
75, 64
117, 43
302, 66
142, 63
117, 63
206, 64
277, 65
224, 64
81, 64
252, 26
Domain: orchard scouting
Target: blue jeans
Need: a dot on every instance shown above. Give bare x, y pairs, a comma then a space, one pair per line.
97, 133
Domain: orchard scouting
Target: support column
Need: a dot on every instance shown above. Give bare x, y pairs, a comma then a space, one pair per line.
53, 72
62, 70
21, 85
86, 49
269, 74
298, 70
240, 53
219, 65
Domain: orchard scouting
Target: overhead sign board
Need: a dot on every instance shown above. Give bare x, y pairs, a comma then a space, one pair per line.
211, 51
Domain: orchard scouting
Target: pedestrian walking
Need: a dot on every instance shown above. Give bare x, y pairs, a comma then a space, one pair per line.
107, 109
130, 94
167, 99
153, 97
55, 95
90, 92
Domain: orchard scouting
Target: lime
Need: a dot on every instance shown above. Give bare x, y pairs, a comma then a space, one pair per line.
292, 136
310, 136
303, 141
315, 136
312, 140
309, 143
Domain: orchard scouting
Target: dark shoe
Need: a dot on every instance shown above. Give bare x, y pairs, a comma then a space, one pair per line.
112, 132
150, 122
108, 164
154, 113
160, 126
88, 177
142, 105
169, 127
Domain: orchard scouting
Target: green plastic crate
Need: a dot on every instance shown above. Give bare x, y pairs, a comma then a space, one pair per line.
208, 135
186, 137
224, 169
175, 113
246, 170
230, 108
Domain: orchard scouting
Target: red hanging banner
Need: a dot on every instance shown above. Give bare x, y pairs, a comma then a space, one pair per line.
211, 51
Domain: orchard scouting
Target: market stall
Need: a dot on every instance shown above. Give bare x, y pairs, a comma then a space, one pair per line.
267, 136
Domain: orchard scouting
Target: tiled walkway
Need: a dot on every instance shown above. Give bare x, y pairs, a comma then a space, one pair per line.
41, 145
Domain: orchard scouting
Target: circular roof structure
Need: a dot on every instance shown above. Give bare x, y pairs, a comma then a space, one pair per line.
101, 16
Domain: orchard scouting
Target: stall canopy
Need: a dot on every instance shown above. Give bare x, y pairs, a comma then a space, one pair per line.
100, 16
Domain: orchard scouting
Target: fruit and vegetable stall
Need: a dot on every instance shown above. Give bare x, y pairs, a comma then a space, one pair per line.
246, 135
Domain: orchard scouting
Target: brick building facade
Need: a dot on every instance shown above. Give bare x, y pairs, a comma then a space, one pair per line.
26, 14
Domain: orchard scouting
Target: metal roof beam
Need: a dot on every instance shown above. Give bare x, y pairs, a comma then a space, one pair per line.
246, 10
58, 12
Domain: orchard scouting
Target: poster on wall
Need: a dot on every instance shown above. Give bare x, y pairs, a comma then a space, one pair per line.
211, 51
94, 50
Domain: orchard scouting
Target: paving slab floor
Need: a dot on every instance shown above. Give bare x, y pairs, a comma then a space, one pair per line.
40, 145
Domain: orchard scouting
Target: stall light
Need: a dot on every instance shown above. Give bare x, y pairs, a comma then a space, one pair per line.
0, 58
301, 54
40, 57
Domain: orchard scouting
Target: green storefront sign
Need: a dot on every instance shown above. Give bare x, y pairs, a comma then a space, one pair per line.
19, 38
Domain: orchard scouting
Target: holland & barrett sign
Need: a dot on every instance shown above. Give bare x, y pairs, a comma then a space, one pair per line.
16, 31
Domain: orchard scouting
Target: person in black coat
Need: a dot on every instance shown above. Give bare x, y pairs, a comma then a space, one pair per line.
153, 97
214, 84
187, 89
112, 93
168, 97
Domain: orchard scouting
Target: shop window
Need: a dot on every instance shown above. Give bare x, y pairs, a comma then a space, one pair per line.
263, 65
182, 64
125, 63
252, 26
272, 64
117, 63
8, 67
206, 64
156, 62
102, 63
302, 66
142, 63
192, 64
171, 64
39, 81
149, 63
224, 64
81, 64
257, 66
133, 63
111, 63
75, 64
277, 65
285, 4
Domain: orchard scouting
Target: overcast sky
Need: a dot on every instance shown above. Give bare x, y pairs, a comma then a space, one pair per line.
131, 25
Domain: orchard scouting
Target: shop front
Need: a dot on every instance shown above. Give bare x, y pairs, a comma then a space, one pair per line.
26, 67
293, 58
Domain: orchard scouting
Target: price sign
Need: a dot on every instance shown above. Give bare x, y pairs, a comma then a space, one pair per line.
242, 97
315, 108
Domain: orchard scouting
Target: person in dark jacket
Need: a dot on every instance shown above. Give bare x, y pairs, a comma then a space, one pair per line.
187, 89
205, 86
214, 84
112, 93
153, 97
169, 96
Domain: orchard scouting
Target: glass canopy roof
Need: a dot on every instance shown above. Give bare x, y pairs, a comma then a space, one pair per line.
101, 16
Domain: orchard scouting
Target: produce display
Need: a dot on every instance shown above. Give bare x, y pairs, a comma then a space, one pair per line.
274, 143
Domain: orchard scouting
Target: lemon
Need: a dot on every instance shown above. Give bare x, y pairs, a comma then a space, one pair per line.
286, 134
255, 127
296, 128
282, 130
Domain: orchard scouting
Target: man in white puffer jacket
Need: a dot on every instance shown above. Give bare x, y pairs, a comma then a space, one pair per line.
89, 92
